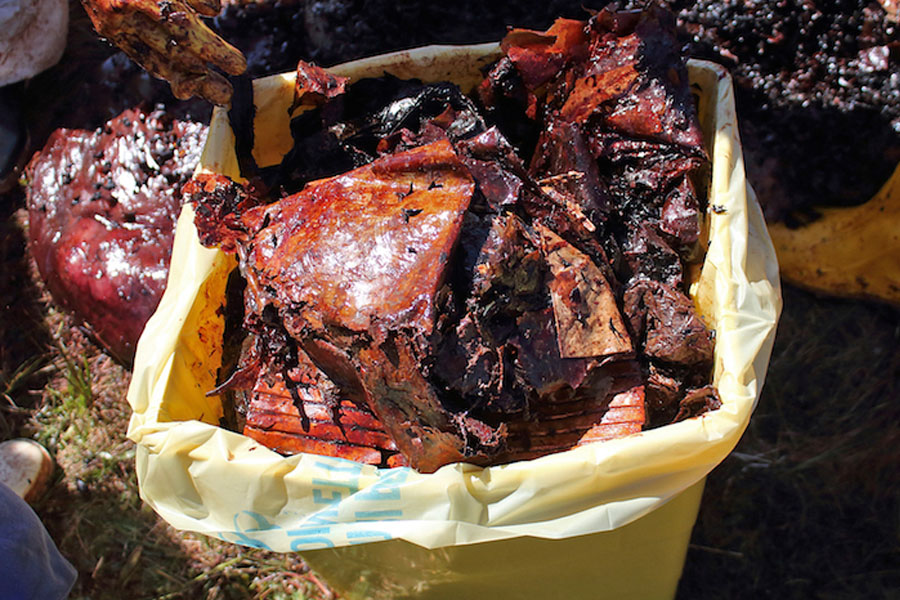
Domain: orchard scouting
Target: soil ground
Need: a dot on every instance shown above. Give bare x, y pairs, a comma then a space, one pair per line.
807, 506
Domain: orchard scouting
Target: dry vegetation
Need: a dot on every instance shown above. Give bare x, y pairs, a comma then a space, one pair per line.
59, 389
808, 504
806, 507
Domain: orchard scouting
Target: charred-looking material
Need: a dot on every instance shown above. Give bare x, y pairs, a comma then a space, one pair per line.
169, 39
435, 296
340, 131
628, 108
297, 408
102, 207
351, 267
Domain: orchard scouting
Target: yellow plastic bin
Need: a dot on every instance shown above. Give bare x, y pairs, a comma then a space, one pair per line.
609, 519
642, 559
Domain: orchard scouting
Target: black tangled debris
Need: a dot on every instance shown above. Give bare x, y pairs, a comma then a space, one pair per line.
481, 279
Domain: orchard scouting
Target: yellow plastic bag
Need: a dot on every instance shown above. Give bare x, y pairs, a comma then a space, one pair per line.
850, 251
625, 493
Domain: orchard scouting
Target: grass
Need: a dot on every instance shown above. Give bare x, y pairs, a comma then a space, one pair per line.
12, 384
57, 388
808, 505
120, 547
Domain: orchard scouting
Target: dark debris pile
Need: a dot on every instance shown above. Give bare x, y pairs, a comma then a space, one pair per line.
481, 301
809, 76
818, 90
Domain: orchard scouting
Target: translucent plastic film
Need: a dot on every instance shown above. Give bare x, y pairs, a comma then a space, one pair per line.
204, 478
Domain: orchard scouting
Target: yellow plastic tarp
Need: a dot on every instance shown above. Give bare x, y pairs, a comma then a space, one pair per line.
201, 477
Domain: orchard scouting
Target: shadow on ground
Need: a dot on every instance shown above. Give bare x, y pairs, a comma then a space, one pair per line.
24, 337
807, 505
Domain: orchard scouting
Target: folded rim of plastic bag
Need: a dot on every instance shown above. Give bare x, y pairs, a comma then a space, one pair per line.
201, 477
